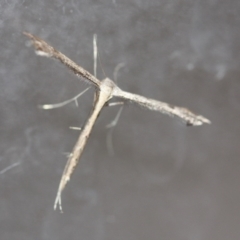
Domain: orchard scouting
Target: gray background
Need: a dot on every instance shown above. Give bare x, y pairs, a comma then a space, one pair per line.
165, 180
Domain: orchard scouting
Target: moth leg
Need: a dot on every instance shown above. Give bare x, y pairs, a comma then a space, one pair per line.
111, 126
61, 104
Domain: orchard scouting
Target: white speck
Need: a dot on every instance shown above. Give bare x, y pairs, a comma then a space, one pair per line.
175, 54
190, 66
220, 71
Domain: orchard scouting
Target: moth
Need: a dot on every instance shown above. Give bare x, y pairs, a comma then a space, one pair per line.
104, 91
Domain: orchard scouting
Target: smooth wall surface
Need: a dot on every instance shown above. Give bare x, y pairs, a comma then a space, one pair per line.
156, 179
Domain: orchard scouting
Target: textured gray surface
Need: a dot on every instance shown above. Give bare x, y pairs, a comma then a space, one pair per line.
165, 181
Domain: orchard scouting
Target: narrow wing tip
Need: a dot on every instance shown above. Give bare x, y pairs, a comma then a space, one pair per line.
29, 35
203, 120
41, 47
207, 121
200, 120
58, 202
